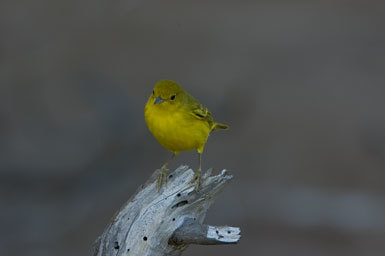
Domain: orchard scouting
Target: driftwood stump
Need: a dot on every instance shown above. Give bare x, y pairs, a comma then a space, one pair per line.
165, 222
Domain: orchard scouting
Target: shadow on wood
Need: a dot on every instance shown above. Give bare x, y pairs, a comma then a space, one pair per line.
165, 222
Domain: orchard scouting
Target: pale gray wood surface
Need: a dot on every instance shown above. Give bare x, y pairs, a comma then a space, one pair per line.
165, 222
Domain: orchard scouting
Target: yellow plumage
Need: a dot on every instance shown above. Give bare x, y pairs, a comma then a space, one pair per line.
177, 120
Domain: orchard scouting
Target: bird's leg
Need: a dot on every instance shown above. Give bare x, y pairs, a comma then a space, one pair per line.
197, 176
162, 178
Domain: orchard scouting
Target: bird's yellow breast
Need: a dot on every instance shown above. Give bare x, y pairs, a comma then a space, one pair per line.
176, 129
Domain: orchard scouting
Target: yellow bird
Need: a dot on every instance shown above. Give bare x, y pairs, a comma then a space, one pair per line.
179, 123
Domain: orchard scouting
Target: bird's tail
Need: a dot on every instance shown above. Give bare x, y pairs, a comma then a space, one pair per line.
218, 126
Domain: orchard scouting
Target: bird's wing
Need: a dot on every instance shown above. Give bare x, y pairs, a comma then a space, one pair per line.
201, 112
197, 110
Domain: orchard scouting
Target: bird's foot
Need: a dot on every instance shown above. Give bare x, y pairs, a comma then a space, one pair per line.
162, 177
197, 180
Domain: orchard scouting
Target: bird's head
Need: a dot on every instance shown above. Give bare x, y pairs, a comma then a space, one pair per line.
166, 93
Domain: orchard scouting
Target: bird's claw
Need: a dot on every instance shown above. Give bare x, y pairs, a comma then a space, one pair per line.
162, 177
197, 180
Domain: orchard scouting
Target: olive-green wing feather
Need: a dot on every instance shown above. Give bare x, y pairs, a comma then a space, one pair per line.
202, 113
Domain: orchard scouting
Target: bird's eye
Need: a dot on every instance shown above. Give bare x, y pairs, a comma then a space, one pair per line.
173, 97
153, 92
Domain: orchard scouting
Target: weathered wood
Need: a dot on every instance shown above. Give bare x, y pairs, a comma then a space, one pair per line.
192, 232
165, 222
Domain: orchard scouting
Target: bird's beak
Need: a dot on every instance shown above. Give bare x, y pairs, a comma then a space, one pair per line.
158, 100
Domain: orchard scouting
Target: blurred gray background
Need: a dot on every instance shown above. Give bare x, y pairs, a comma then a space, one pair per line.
301, 83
